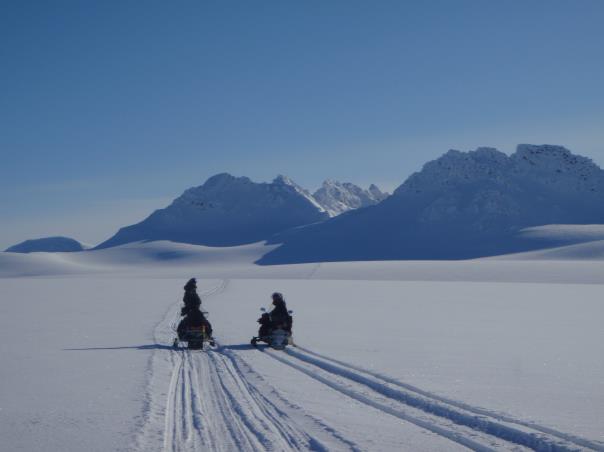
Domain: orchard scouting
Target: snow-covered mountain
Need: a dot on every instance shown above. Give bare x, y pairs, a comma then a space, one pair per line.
337, 197
461, 205
227, 210
486, 189
46, 244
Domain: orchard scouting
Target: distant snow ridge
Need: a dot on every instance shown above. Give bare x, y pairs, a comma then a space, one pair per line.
461, 205
47, 245
339, 197
226, 211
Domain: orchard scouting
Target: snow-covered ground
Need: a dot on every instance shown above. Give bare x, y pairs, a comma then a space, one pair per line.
498, 354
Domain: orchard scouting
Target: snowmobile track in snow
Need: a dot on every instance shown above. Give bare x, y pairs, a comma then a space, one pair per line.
211, 406
468, 425
215, 401
476, 410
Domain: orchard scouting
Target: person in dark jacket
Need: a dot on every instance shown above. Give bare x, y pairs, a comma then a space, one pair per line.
190, 298
279, 315
193, 316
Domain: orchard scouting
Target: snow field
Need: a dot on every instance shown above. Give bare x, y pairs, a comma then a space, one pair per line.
380, 365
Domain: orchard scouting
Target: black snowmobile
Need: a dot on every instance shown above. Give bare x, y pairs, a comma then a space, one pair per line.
277, 335
195, 330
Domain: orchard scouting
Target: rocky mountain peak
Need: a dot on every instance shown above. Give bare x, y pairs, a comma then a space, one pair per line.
339, 197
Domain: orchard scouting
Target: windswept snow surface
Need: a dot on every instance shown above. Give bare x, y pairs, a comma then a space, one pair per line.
565, 233
576, 242
435, 356
580, 252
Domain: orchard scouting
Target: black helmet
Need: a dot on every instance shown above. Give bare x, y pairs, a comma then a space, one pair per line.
277, 297
191, 284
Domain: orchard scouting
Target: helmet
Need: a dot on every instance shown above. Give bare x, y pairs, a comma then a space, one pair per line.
277, 297
191, 284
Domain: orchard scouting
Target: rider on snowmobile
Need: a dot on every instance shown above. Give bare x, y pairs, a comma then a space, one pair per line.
192, 312
279, 315
275, 326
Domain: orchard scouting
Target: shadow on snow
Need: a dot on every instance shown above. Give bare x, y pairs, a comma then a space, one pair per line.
165, 347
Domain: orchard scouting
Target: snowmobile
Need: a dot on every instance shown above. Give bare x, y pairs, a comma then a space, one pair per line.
276, 336
194, 336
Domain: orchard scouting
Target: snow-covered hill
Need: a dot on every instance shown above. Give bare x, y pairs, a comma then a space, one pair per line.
226, 211
579, 261
46, 244
461, 205
339, 197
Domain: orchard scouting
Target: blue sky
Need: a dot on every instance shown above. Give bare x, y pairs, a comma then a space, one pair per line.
111, 108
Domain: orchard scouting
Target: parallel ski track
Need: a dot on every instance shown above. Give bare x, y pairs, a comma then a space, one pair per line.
284, 407
215, 401
212, 407
583, 442
467, 425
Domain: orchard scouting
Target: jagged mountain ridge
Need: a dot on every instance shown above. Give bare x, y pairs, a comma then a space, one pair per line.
339, 197
228, 210
461, 205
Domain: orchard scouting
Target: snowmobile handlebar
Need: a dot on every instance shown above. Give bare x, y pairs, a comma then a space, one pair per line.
290, 312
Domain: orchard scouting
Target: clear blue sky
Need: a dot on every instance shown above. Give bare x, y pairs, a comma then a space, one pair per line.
110, 108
